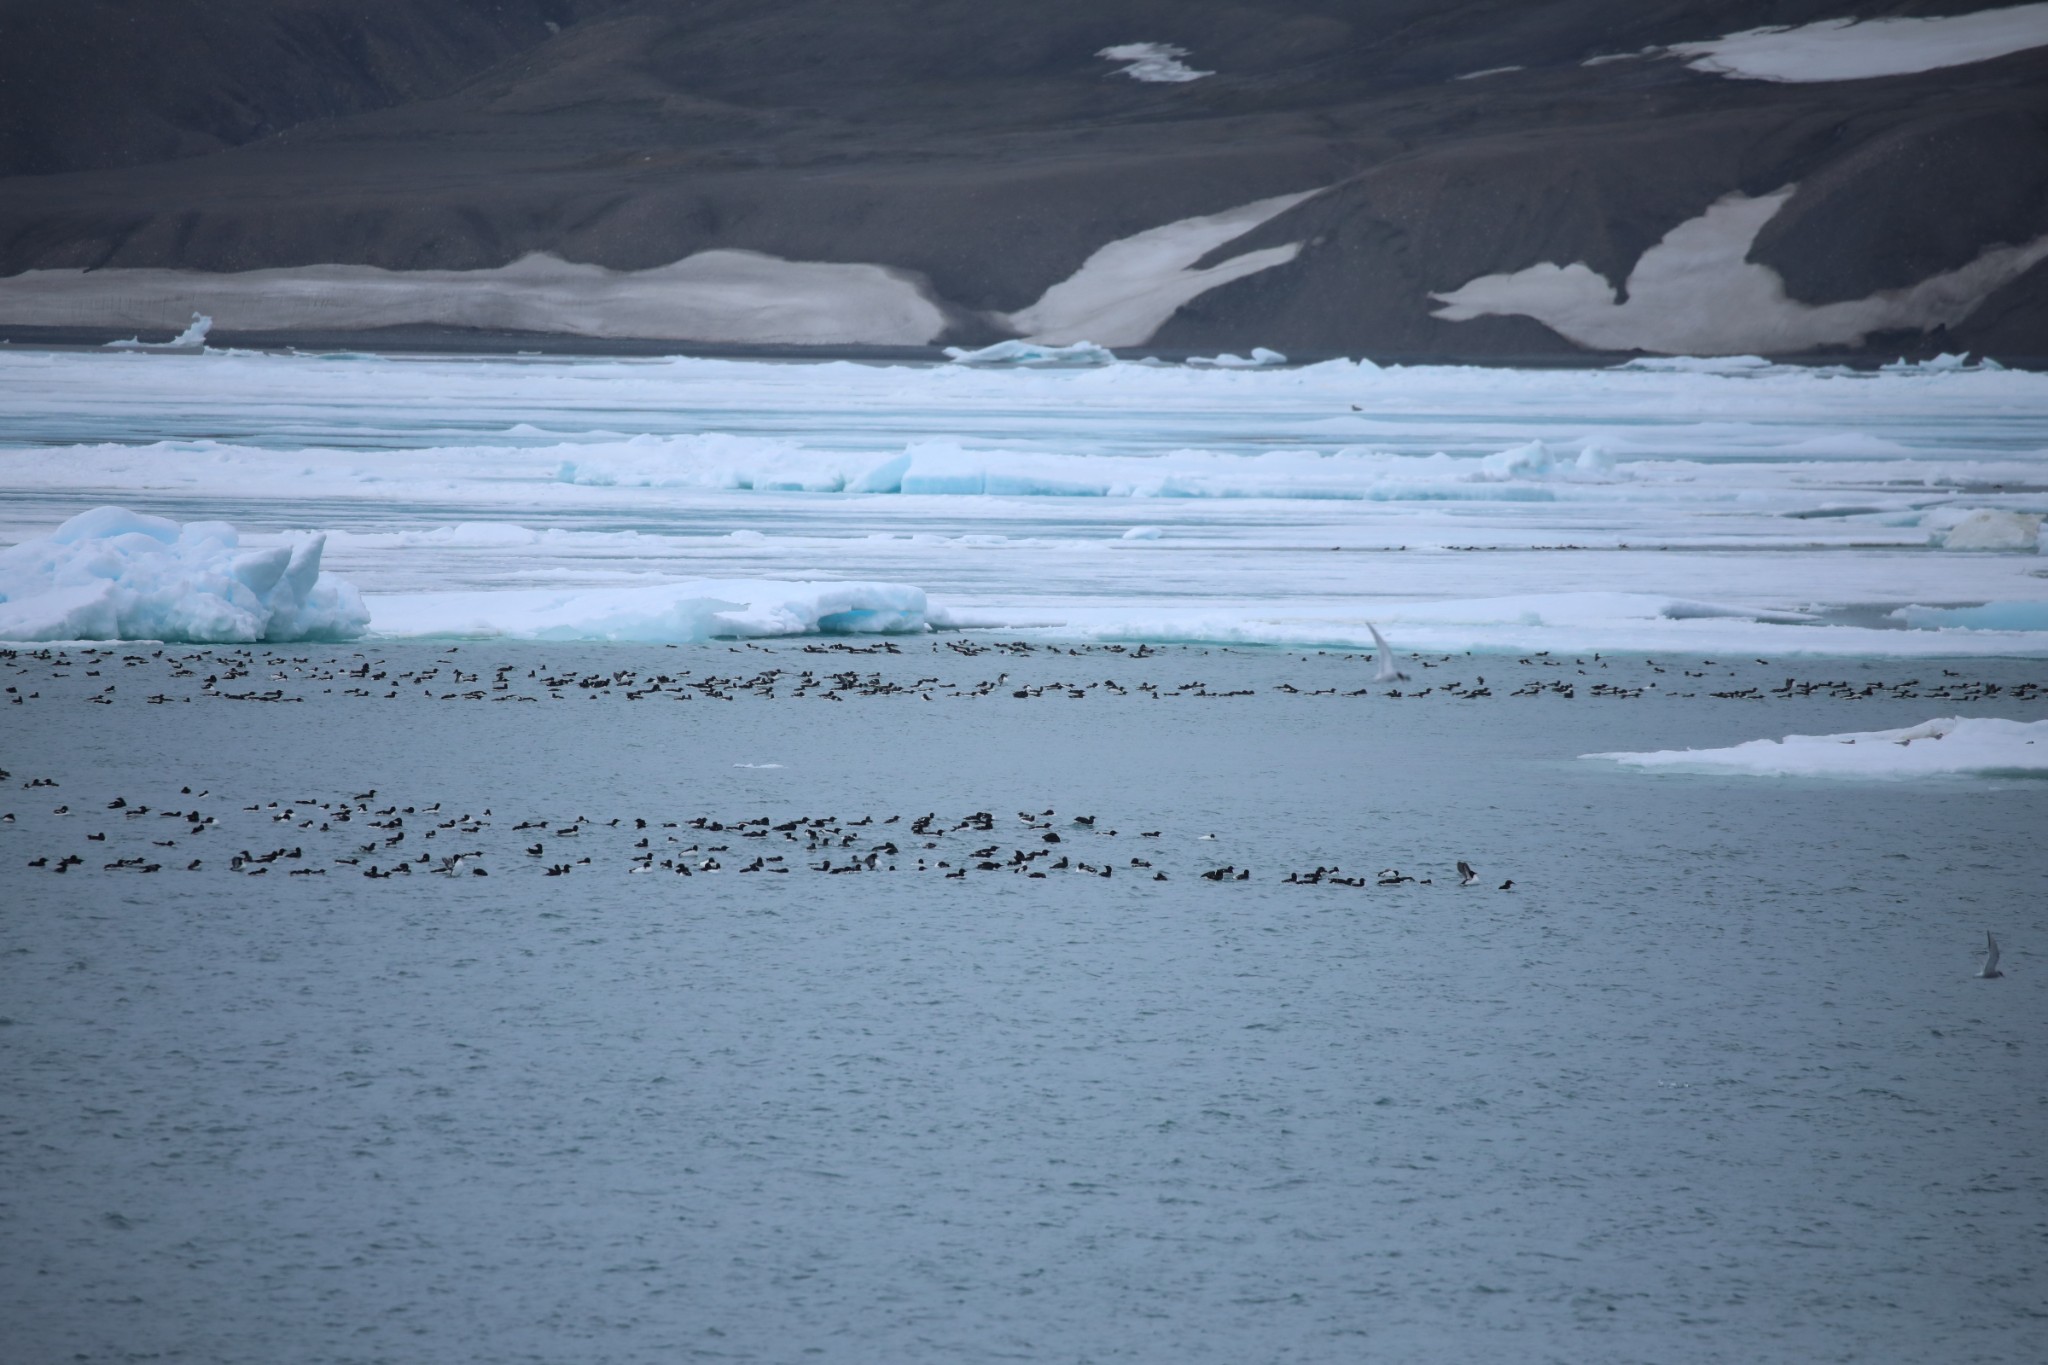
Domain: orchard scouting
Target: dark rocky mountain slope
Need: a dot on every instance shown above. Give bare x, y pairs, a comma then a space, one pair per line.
952, 162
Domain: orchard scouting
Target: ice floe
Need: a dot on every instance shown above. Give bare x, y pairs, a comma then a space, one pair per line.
1291, 505
1949, 747
1990, 528
113, 574
1033, 355
1696, 292
2021, 616
1260, 358
948, 468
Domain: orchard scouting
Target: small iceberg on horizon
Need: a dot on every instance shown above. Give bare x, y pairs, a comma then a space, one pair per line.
193, 338
1261, 358
1033, 355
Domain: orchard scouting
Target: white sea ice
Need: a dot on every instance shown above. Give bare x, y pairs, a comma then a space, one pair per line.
1948, 747
665, 613
737, 297
1127, 289
1157, 63
1032, 355
113, 574
1295, 504
1697, 293
1858, 49
1260, 358
1989, 528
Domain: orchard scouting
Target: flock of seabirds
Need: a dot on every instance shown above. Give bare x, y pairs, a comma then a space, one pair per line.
309, 837
382, 842
372, 839
250, 674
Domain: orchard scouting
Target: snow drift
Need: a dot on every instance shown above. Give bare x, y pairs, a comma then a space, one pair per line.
1949, 747
113, 574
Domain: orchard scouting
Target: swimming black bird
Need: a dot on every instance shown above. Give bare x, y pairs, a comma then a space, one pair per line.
1508, 885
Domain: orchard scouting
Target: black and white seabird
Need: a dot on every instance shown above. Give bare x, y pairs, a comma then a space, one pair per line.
1990, 957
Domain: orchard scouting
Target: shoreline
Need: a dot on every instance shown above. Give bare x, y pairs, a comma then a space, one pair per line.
455, 343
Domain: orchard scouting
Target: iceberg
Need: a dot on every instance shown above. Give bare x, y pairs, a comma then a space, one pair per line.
113, 574
666, 613
1950, 747
1259, 359
193, 338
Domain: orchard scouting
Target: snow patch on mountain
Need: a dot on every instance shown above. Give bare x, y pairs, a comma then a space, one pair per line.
1153, 63
1127, 289
736, 297
1860, 49
1697, 293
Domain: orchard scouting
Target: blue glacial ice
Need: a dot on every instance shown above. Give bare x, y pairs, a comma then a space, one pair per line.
112, 574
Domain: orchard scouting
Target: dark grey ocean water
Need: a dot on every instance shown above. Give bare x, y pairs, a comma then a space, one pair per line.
1713, 1082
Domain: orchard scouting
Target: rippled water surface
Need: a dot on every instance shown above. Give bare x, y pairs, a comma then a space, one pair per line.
1713, 1082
